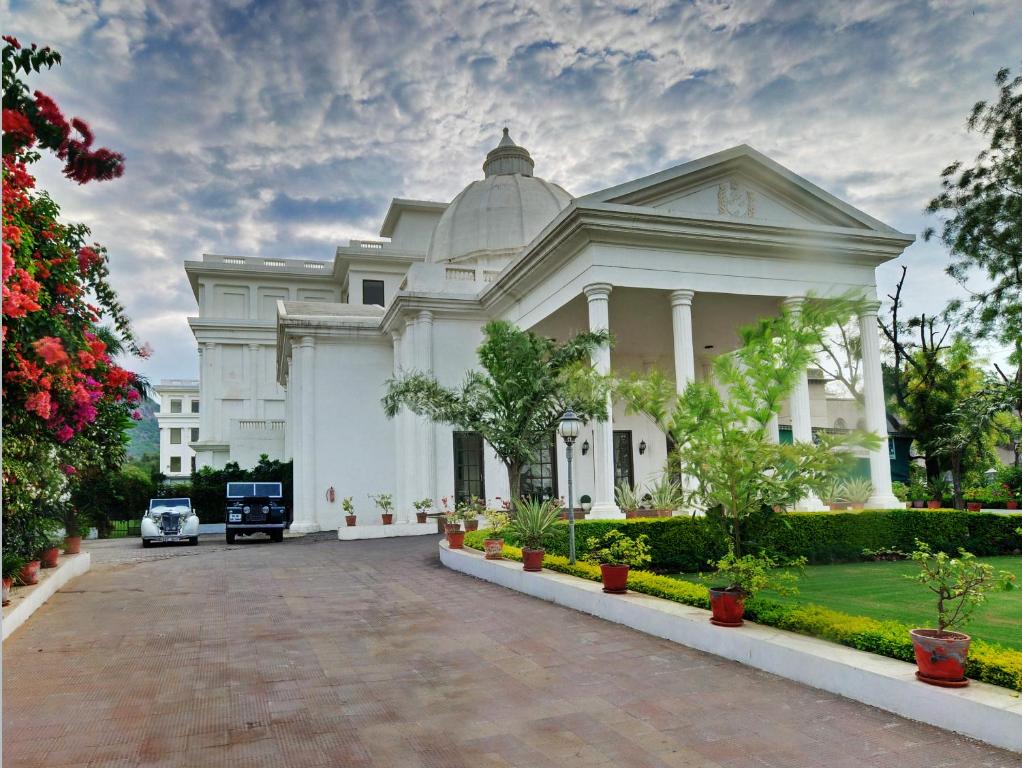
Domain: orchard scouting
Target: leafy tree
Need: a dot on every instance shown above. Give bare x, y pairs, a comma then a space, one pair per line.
982, 208
515, 402
722, 441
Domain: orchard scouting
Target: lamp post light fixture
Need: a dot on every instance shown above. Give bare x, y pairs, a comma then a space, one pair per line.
585, 447
568, 428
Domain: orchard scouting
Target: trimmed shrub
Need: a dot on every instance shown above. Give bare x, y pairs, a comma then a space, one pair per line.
687, 544
988, 663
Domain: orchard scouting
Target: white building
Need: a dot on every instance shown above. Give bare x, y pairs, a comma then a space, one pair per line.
178, 419
672, 263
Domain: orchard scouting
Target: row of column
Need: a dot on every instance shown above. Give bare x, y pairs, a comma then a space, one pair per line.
598, 297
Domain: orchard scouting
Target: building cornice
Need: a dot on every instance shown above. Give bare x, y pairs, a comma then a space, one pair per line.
442, 305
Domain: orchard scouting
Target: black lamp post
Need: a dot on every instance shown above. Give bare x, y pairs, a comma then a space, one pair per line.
569, 428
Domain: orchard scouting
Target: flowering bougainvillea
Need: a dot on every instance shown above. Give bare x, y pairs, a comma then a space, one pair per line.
67, 402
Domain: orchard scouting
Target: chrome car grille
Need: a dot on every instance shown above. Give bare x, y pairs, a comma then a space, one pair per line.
170, 522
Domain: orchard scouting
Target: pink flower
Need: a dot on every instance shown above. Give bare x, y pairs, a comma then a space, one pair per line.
136, 415
51, 349
69, 470
65, 433
133, 396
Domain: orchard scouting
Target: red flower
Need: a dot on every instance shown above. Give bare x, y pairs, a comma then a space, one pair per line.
13, 41
40, 404
65, 433
51, 350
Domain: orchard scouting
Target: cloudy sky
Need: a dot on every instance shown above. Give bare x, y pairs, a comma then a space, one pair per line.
284, 128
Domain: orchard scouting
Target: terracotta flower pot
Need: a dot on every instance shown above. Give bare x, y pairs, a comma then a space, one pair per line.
918, 504
72, 545
837, 506
48, 557
420, 517
615, 578
631, 513
934, 504
532, 559
857, 505
29, 573
455, 536
388, 519
941, 658
1011, 504
349, 520
727, 607
7, 590
471, 525
494, 548
973, 506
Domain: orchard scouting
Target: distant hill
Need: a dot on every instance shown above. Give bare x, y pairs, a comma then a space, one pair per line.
145, 436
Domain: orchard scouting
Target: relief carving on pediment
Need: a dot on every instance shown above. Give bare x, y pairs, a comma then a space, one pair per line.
734, 199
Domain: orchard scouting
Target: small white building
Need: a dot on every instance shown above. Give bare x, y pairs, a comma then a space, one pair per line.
178, 419
673, 264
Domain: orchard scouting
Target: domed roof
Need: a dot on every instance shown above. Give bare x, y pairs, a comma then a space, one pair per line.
499, 214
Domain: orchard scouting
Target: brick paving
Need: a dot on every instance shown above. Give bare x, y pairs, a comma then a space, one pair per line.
316, 652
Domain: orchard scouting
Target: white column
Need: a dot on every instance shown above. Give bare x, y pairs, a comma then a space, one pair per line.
305, 519
801, 417
604, 503
207, 408
252, 381
876, 410
426, 429
773, 430
684, 353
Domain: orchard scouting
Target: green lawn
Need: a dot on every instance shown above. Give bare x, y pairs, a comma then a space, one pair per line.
881, 591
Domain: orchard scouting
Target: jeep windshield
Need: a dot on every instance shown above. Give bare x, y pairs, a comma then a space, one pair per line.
254, 491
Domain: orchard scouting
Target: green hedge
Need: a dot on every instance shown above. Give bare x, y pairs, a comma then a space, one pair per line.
987, 662
686, 543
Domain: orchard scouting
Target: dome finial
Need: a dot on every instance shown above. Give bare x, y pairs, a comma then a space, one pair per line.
507, 158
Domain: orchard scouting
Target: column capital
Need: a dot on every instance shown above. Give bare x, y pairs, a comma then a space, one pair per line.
307, 342
682, 297
596, 291
870, 308
425, 316
409, 323
254, 347
208, 345
396, 335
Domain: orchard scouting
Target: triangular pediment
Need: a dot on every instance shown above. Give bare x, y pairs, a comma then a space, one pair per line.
739, 184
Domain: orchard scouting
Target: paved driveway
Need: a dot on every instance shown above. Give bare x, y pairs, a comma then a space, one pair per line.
316, 652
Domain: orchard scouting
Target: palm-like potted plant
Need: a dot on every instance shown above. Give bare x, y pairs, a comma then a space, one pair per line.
452, 527
496, 521
665, 496
385, 503
12, 565
628, 500
940, 489
960, 584
740, 578
616, 553
533, 522
348, 505
831, 494
422, 508
856, 491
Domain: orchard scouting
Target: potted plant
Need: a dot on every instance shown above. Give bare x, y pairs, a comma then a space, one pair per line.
452, 527
917, 492
628, 500
1012, 501
386, 506
831, 495
585, 503
960, 584
496, 521
940, 489
49, 555
422, 509
469, 512
12, 565
665, 496
74, 526
900, 491
349, 511
974, 498
998, 496
743, 577
856, 491
533, 521
616, 553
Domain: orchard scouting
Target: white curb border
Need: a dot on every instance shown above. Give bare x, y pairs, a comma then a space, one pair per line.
50, 580
381, 531
981, 711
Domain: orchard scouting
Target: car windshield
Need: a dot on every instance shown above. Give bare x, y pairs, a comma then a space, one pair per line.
257, 490
169, 505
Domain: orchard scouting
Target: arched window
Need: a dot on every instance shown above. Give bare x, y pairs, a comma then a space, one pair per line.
840, 424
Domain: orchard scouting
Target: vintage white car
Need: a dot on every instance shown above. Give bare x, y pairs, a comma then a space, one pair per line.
170, 520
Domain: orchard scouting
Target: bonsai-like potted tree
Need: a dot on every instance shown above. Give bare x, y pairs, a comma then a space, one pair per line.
422, 508
616, 553
856, 491
496, 521
452, 527
940, 489
533, 521
386, 506
585, 503
742, 577
960, 584
12, 565
348, 505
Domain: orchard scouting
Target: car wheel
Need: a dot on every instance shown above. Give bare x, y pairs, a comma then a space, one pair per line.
277, 535
194, 541
146, 543
230, 538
